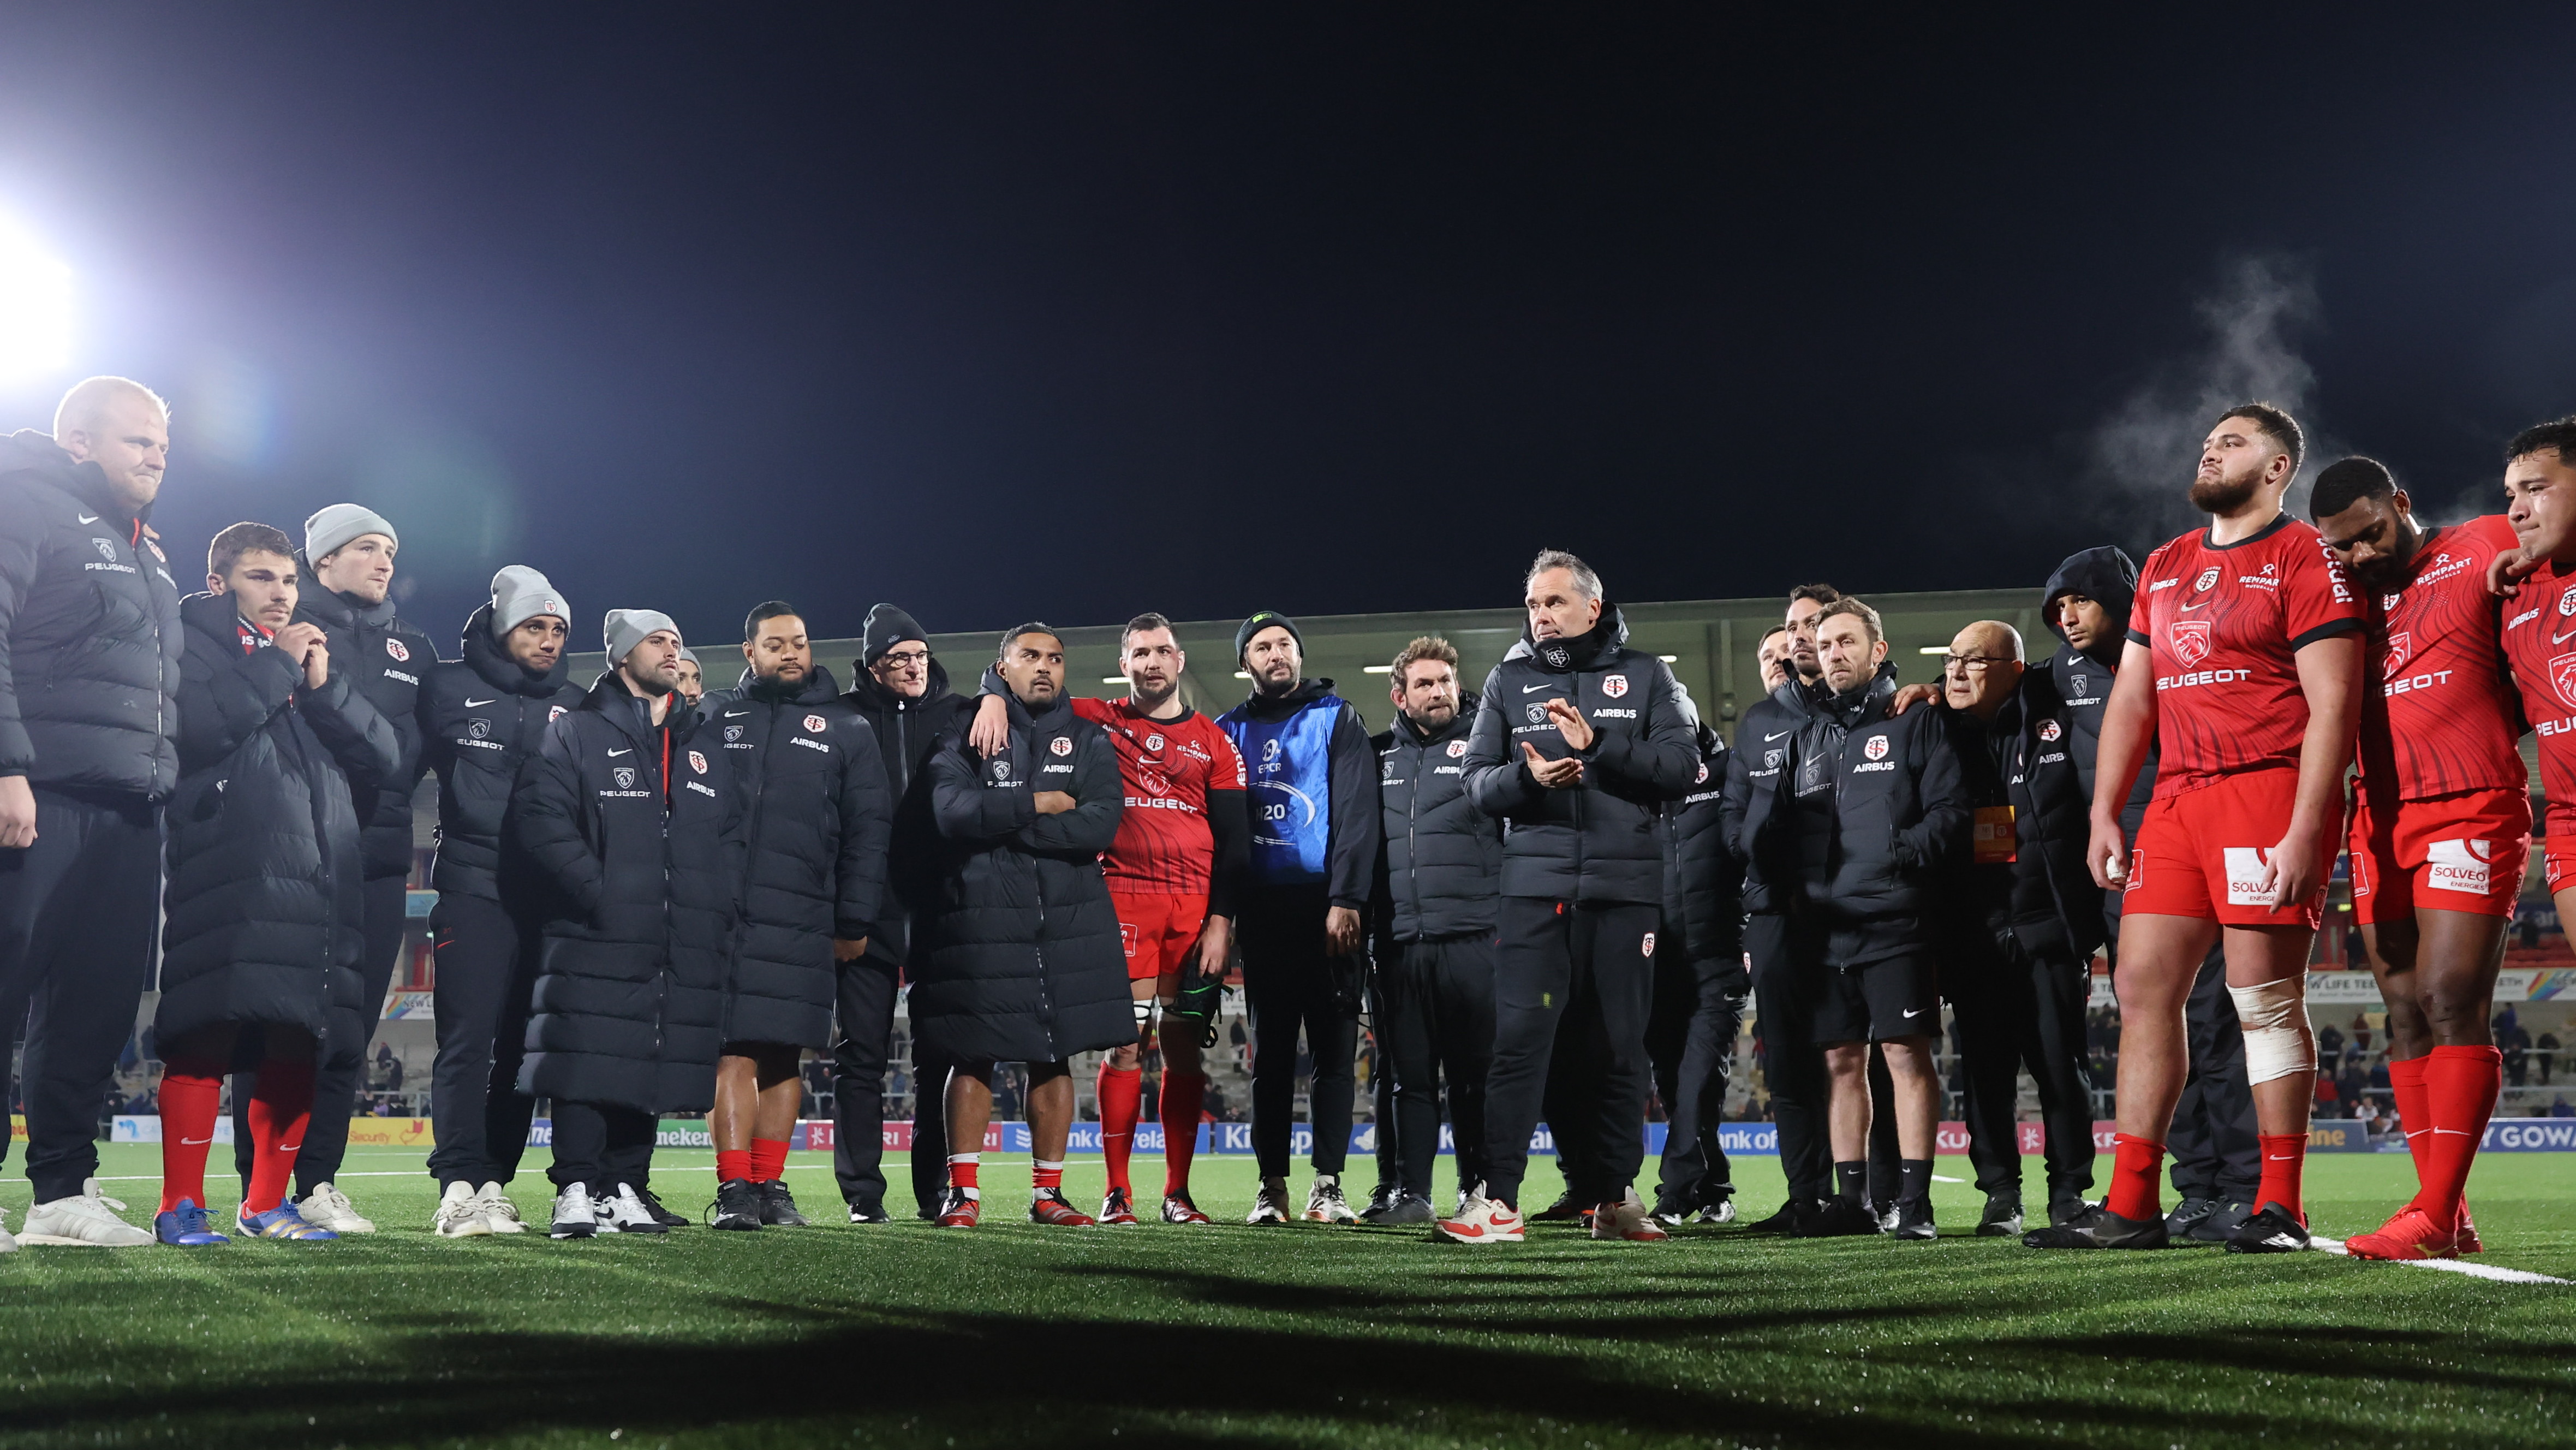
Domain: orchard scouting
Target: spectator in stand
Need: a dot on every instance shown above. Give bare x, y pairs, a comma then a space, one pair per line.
2517, 1054
2545, 1054
2329, 1049
2559, 1107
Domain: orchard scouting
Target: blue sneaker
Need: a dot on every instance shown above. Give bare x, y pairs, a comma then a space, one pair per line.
281, 1222
186, 1226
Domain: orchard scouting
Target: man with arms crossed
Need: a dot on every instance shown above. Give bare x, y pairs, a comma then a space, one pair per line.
2243, 668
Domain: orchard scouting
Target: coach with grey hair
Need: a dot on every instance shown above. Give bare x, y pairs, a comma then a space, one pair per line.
1580, 743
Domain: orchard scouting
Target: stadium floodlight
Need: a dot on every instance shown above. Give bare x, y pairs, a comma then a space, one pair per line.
35, 308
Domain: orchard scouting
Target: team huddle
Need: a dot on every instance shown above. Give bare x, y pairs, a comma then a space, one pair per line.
1550, 899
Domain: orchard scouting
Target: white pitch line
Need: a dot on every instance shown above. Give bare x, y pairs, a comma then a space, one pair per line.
2450, 1266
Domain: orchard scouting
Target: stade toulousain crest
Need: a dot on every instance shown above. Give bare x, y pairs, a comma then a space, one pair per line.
2400, 646
2562, 675
2190, 640
1876, 749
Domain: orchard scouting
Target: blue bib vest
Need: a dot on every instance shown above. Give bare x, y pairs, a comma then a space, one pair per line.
1289, 766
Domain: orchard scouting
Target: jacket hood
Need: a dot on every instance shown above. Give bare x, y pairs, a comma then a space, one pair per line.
333, 607
818, 688
29, 451
1265, 707
495, 667
873, 696
1457, 729
609, 696
1608, 635
2105, 574
212, 615
1022, 717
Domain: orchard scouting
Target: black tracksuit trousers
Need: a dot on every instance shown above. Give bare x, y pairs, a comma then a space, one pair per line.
1588, 961
2017, 1010
1690, 1039
2216, 1153
486, 969
862, 1051
1786, 952
78, 910
602, 1145
1290, 985
1435, 1020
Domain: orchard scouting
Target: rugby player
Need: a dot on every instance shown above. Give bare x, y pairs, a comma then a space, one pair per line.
2441, 829
2243, 667
1183, 842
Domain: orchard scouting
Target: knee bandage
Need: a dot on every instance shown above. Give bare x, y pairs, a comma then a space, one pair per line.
2278, 1041
1144, 1014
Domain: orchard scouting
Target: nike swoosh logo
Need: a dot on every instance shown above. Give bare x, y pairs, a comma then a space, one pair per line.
630, 750
2454, 1132
1768, 738
729, 714
478, 704
2562, 638
1917, 1012
91, 519
193, 1142
2188, 608
1526, 689
2280, 1157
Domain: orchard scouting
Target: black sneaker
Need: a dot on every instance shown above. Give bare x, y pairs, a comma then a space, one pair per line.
868, 1213
1672, 1205
1838, 1218
737, 1205
931, 1208
2099, 1228
2222, 1222
1911, 1219
2187, 1215
2275, 1230
1566, 1208
1783, 1222
1381, 1199
778, 1206
660, 1211
2002, 1218
2072, 1209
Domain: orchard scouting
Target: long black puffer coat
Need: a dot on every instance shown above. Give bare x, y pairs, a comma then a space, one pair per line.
816, 819
480, 720
636, 834
386, 660
907, 731
265, 915
1017, 955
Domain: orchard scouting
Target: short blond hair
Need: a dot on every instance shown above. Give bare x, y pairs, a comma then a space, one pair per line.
1426, 647
89, 399
1867, 616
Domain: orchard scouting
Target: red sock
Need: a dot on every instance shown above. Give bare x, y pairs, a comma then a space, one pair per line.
1043, 1176
2136, 1168
732, 1163
2284, 1155
962, 1168
2414, 1114
768, 1159
191, 1089
2460, 1087
1184, 1097
281, 1105
1122, 1096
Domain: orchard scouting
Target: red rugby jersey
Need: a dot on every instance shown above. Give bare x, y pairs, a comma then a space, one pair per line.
2224, 624
2540, 645
2443, 718
1164, 846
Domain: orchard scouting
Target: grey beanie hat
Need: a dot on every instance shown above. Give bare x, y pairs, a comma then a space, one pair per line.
520, 594
327, 531
627, 628
691, 656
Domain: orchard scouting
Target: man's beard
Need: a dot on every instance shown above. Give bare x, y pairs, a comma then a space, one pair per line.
2223, 495
1154, 696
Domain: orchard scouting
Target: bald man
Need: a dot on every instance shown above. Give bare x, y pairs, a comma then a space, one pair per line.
2016, 966
88, 753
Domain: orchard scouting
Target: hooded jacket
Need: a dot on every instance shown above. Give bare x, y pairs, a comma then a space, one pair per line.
1281, 782
1874, 814
1017, 955
1440, 871
2083, 679
816, 821
89, 632
1752, 771
907, 731
481, 719
2056, 910
633, 833
1596, 841
386, 660
265, 918
1703, 884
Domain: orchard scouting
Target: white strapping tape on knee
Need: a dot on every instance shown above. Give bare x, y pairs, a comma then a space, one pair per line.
1144, 1013
2278, 1041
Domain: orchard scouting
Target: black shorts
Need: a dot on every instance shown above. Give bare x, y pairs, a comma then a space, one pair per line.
1892, 997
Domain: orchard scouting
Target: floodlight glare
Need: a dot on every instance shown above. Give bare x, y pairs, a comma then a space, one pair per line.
35, 308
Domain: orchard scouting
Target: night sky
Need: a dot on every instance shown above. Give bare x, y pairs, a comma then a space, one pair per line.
1073, 311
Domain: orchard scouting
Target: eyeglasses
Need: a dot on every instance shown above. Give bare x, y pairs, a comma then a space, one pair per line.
1961, 664
904, 658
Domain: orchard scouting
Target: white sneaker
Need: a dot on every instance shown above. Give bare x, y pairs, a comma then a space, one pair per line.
327, 1207
624, 1213
1270, 1204
460, 1214
7, 1244
1627, 1221
498, 1211
1324, 1201
1481, 1220
82, 1222
576, 1217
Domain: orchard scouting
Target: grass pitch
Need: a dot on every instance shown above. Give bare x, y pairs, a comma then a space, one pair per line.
1015, 1335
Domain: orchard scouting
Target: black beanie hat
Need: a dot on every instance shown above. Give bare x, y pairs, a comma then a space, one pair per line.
887, 627
1261, 621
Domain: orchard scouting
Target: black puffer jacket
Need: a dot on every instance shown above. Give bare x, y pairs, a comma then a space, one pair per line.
2056, 908
1595, 842
1878, 816
89, 632
907, 731
1440, 871
1752, 771
2083, 680
1017, 956
816, 818
635, 832
1703, 885
482, 718
265, 916
386, 660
